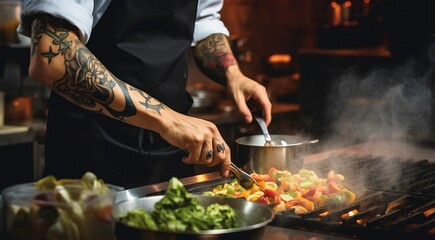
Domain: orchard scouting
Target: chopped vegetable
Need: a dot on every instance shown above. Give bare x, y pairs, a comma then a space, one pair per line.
61, 209
180, 211
301, 192
139, 218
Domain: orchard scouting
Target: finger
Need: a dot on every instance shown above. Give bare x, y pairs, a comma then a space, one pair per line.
244, 109
226, 163
207, 153
222, 156
219, 153
267, 112
262, 104
220, 148
194, 153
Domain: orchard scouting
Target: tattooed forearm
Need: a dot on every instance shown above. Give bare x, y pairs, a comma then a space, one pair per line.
89, 84
86, 81
213, 56
147, 103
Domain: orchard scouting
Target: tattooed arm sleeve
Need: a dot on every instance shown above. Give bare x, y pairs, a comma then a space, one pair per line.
214, 57
62, 62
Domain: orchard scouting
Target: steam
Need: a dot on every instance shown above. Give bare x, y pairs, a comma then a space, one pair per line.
385, 104
393, 104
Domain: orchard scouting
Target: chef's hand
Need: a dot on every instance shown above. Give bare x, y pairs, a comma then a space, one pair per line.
215, 58
199, 138
245, 91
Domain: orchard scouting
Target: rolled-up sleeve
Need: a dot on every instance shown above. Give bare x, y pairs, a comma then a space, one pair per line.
208, 20
77, 12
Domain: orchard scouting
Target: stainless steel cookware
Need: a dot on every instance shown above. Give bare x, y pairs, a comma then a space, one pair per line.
286, 153
253, 218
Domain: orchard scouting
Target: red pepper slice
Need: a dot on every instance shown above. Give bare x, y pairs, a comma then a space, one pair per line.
262, 200
269, 193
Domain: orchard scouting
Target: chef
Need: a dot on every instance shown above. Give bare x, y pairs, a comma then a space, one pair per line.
118, 70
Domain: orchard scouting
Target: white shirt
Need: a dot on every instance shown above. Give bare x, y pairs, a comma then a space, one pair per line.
85, 14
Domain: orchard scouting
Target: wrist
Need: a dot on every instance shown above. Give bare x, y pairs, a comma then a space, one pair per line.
163, 120
151, 114
233, 73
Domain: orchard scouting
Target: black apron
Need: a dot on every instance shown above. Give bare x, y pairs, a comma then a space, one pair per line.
144, 43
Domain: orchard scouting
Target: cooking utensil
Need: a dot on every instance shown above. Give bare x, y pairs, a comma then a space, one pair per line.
245, 180
253, 217
265, 131
288, 155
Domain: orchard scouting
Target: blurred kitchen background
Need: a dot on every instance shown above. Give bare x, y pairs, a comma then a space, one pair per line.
301, 51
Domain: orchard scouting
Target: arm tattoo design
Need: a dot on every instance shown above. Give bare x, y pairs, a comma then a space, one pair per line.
86, 81
37, 31
214, 56
147, 102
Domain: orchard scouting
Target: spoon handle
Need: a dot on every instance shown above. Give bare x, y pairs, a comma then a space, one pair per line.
263, 127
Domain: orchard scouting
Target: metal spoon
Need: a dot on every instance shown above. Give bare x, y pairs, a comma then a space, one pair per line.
245, 180
265, 131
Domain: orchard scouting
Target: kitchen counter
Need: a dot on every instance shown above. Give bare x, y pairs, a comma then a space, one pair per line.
17, 155
378, 52
10, 134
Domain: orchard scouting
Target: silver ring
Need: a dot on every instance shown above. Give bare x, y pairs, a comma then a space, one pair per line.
209, 154
221, 147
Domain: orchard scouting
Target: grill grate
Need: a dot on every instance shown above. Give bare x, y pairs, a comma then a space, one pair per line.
396, 200
394, 175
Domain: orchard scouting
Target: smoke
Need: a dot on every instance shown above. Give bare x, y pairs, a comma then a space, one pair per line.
386, 104
392, 104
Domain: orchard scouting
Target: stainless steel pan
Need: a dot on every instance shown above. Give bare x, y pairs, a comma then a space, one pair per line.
253, 218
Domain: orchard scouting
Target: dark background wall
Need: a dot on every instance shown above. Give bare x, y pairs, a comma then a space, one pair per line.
260, 28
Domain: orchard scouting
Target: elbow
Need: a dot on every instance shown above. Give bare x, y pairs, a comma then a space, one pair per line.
43, 73
34, 73
37, 71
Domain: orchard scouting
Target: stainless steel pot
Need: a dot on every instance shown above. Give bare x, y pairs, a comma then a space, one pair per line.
286, 152
253, 218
